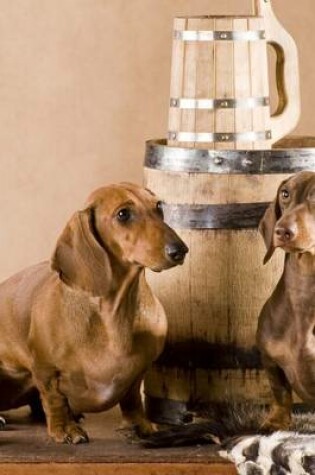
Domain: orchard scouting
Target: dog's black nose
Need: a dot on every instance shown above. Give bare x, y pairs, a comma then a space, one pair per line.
284, 234
176, 251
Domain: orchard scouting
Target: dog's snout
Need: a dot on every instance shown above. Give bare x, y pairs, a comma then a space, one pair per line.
284, 234
176, 251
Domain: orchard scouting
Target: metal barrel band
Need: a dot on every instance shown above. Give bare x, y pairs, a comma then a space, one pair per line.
246, 103
203, 137
191, 35
214, 216
161, 157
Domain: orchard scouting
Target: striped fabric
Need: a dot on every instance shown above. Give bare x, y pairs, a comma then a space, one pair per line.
281, 453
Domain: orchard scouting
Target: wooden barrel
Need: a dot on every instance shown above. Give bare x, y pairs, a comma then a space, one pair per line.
214, 200
219, 95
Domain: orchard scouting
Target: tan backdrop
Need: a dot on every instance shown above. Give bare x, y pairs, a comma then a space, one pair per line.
83, 83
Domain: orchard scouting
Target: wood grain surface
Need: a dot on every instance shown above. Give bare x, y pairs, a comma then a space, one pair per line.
117, 469
26, 449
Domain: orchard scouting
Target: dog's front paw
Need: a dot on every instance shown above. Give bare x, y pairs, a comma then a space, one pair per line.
70, 434
140, 425
144, 428
273, 424
278, 419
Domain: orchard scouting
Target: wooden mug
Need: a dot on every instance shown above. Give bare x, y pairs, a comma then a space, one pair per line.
220, 81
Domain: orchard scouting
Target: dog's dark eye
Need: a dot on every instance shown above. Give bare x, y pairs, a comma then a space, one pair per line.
311, 196
124, 215
285, 194
159, 208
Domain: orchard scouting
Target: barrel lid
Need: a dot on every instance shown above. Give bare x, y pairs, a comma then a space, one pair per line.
290, 155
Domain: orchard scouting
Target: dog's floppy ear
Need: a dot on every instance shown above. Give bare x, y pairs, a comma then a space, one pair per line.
79, 257
268, 222
266, 227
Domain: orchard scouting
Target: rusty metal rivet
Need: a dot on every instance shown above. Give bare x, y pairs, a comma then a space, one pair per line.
174, 102
224, 104
218, 160
225, 137
246, 162
223, 35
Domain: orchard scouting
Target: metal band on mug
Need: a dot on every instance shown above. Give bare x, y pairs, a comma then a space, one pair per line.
219, 137
161, 157
245, 103
190, 35
216, 216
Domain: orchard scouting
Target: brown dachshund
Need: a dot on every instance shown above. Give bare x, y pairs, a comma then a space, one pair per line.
82, 331
286, 329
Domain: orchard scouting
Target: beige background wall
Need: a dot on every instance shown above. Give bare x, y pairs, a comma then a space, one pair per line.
83, 83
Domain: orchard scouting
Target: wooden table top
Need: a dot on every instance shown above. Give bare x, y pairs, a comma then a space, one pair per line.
25, 443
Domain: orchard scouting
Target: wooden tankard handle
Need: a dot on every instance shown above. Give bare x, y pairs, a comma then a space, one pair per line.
288, 112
